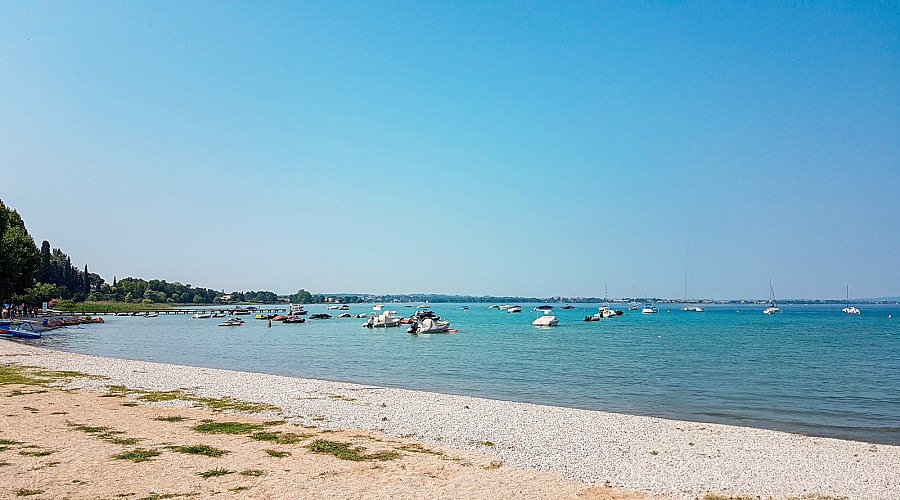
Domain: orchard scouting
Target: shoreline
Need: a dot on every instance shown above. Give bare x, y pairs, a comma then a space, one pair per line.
668, 458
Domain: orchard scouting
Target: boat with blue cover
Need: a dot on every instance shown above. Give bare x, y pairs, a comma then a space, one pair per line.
22, 330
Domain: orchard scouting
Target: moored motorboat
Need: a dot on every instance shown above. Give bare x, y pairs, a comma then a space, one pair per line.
297, 310
345, 315
567, 307
344, 307
514, 309
153, 314
240, 311
692, 309
385, 320
279, 317
320, 316
204, 315
294, 319
232, 322
429, 325
649, 309
22, 330
546, 320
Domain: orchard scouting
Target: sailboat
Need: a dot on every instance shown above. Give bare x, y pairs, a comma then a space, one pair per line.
688, 307
850, 309
773, 308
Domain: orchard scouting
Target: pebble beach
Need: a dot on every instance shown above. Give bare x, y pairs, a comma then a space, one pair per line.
657, 457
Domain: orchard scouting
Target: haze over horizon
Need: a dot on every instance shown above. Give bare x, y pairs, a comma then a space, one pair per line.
511, 148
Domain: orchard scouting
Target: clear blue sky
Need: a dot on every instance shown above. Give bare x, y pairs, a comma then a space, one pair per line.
522, 148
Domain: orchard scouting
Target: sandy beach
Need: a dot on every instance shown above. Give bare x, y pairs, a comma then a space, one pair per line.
407, 444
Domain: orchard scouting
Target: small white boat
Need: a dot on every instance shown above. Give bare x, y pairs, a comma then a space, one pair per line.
201, 316
773, 308
424, 305
495, 306
344, 307
377, 307
649, 309
333, 307
153, 314
514, 309
232, 322
692, 309
429, 325
386, 320
219, 314
361, 315
850, 309
546, 320
503, 308
297, 310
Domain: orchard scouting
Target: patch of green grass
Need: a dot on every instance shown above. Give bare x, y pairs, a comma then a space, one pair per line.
173, 418
227, 428
713, 496
252, 472
272, 423
239, 488
654, 452
162, 396
105, 433
493, 466
36, 453
343, 451
278, 453
231, 404
24, 492
214, 404
279, 437
130, 404
486, 443
214, 473
137, 455
3, 464
29, 408
199, 449
418, 448
161, 496
31, 375
60, 413
9, 442
342, 398
20, 392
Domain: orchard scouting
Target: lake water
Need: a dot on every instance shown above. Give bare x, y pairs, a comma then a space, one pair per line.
812, 370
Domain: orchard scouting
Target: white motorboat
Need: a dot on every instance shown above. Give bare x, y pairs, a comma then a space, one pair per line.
233, 322
386, 320
543, 308
504, 307
773, 307
649, 309
429, 325
850, 309
424, 305
514, 309
201, 316
297, 310
692, 309
377, 307
546, 320
333, 307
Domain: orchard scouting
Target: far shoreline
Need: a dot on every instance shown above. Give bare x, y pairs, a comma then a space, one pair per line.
679, 459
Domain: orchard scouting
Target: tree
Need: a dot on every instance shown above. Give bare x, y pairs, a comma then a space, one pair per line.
19, 256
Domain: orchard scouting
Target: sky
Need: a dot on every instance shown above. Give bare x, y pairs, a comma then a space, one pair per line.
502, 148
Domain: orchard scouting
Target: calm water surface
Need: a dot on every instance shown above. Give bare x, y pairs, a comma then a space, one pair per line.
811, 370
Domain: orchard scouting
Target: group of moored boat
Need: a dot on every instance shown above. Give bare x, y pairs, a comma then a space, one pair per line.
421, 322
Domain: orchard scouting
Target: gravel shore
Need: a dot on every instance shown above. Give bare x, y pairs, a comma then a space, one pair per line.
670, 458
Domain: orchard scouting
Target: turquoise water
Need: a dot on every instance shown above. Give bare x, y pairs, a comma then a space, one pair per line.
812, 370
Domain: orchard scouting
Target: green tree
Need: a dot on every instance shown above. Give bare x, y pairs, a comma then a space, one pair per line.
19, 256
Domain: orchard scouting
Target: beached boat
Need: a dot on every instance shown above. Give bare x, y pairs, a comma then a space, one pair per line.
21, 331
429, 325
850, 309
232, 322
546, 320
297, 310
385, 320
649, 309
773, 307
